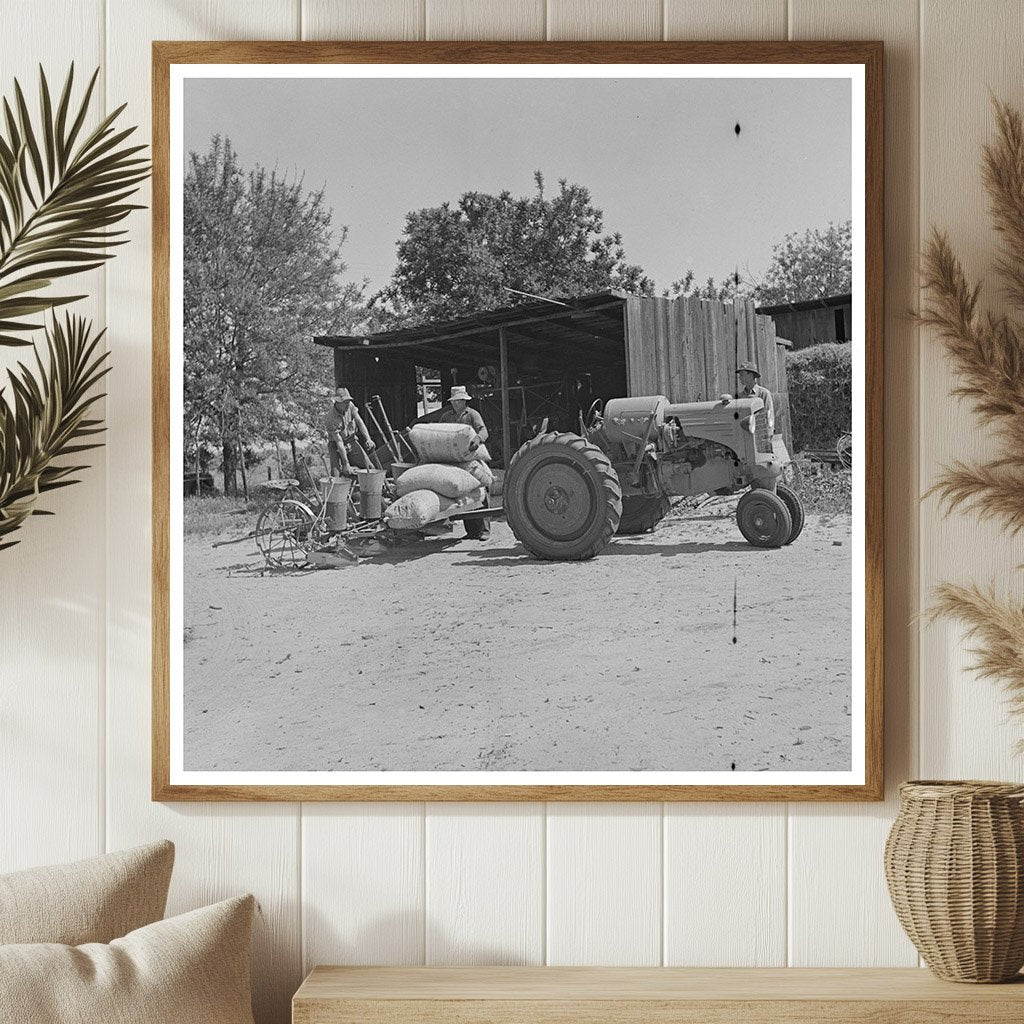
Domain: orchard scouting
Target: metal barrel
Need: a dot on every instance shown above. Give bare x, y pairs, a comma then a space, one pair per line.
335, 491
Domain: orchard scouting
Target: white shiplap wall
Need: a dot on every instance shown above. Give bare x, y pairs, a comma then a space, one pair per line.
508, 883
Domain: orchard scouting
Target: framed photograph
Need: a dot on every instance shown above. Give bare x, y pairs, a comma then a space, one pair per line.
526, 403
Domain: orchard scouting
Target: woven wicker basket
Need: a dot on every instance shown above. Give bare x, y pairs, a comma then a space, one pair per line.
954, 861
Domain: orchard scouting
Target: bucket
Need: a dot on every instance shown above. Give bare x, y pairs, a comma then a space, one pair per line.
371, 486
335, 491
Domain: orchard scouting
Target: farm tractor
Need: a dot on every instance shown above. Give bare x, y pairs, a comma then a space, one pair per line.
566, 495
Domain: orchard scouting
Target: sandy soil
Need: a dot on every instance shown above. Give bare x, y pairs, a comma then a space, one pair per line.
458, 655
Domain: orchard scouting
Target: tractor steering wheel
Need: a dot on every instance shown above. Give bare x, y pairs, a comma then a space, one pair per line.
594, 413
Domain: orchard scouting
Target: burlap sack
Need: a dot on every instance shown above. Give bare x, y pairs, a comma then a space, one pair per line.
448, 481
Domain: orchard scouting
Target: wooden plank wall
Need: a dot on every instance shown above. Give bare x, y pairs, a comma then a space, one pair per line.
688, 349
812, 326
681, 884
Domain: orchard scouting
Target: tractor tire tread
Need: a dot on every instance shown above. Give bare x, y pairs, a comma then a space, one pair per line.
609, 482
796, 510
641, 513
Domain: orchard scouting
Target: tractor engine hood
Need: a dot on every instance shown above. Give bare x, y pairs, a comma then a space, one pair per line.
715, 421
626, 420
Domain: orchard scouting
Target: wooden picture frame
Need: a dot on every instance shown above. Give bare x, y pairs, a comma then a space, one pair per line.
866, 55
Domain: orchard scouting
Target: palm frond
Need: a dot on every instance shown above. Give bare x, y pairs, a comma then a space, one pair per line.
1003, 176
992, 490
987, 354
62, 192
46, 419
996, 626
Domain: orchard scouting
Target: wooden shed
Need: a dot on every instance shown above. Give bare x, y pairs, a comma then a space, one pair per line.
551, 359
813, 321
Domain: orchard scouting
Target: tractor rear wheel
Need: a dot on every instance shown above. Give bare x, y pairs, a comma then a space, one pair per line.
764, 519
796, 510
562, 498
642, 512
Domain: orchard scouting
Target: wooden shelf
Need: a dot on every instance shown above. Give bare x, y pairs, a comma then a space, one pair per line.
637, 995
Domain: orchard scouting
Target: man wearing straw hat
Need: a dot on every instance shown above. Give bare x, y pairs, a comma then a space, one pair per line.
460, 412
345, 428
749, 374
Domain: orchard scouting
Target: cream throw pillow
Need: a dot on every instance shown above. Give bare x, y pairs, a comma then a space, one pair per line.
93, 900
191, 969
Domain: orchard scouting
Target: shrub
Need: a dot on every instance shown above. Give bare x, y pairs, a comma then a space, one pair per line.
823, 488
820, 380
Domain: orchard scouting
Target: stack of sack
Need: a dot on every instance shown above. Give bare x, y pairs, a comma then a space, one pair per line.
452, 475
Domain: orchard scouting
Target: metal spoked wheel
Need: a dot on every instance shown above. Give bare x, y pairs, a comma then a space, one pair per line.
285, 533
844, 449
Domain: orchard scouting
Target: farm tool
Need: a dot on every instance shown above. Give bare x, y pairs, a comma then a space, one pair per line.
394, 439
566, 495
299, 524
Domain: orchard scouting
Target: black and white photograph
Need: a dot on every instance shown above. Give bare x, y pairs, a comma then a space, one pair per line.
520, 417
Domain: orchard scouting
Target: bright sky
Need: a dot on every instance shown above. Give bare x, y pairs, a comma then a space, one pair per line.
660, 156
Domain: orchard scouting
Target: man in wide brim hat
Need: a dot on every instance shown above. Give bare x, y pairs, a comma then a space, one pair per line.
345, 428
460, 412
749, 375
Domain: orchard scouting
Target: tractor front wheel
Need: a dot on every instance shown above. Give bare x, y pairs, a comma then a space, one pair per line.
796, 510
562, 498
764, 519
641, 513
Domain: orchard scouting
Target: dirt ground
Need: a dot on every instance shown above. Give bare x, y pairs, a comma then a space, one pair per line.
454, 654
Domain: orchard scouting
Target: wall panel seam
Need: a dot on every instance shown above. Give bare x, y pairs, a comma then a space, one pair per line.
424, 876
664, 859
544, 902
787, 846
300, 883
547, 884
787, 888
915, 641
102, 724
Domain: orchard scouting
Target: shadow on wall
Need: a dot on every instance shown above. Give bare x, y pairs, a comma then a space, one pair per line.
397, 939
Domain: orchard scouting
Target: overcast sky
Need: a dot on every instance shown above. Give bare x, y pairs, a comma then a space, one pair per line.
660, 156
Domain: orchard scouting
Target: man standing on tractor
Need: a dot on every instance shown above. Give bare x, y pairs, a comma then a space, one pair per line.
749, 374
345, 428
460, 412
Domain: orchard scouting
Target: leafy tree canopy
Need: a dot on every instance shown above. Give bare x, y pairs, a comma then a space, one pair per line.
730, 287
454, 260
809, 266
262, 271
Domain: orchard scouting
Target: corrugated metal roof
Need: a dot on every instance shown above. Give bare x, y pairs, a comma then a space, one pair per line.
825, 302
587, 328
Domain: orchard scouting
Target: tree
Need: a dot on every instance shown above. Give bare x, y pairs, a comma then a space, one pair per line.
804, 266
809, 266
262, 275
731, 287
454, 260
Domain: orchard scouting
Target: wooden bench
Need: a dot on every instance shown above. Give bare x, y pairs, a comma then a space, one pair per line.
646, 995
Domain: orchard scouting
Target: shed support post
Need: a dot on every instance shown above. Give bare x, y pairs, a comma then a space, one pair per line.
506, 425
